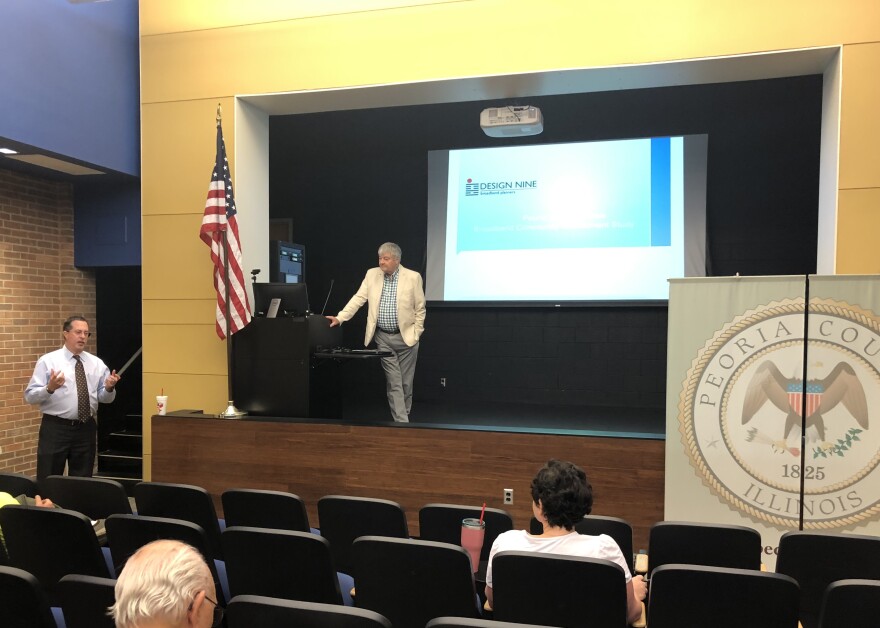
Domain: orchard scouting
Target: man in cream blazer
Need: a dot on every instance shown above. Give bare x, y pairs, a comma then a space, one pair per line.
396, 319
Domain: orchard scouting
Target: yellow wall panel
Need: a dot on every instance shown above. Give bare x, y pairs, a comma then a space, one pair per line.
860, 117
192, 349
167, 16
187, 392
176, 263
858, 223
147, 461
179, 312
481, 37
178, 146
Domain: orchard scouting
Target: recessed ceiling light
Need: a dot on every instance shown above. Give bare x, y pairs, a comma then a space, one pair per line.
8, 151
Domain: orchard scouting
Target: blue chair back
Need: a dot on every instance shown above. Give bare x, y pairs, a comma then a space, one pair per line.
22, 601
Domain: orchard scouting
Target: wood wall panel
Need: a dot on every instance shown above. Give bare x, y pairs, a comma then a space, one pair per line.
410, 465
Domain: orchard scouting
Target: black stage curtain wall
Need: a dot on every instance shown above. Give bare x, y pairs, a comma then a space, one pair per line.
350, 180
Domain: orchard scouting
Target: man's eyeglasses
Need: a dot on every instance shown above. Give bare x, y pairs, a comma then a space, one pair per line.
79, 332
218, 611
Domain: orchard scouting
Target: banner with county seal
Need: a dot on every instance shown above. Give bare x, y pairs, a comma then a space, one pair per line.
735, 396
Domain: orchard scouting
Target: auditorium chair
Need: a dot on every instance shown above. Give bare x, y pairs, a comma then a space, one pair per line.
535, 588
250, 611
466, 622
593, 525
96, 498
181, 501
85, 600
618, 529
126, 534
694, 595
853, 603
264, 509
51, 543
283, 564
411, 581
816, 559
342, 519
22, 601
707, 544
442, 523
535, 526
16, 484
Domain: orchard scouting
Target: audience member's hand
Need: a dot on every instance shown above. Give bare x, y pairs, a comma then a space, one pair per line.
43, 503
640, 587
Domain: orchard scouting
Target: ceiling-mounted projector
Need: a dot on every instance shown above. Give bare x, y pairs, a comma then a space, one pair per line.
511, 121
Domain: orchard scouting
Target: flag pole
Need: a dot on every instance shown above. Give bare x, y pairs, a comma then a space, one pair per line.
231, 412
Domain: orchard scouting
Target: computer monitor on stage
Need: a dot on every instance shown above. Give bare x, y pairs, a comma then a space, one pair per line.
293, 299
287, 262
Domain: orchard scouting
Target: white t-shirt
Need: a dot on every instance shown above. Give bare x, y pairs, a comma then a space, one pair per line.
572, 544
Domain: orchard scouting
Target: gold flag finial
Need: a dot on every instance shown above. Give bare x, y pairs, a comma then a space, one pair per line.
219, 114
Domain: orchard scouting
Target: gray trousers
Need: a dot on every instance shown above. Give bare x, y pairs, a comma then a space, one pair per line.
400, 368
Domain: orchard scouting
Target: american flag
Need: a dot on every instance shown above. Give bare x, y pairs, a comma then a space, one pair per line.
220, 217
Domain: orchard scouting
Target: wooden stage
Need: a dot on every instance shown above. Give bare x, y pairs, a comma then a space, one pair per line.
411, 464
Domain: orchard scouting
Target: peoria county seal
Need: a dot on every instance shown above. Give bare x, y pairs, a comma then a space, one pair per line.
742, 403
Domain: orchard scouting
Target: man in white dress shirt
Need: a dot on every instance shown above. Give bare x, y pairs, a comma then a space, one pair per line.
68, 384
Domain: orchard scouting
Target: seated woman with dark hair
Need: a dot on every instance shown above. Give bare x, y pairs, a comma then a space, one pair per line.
561, 496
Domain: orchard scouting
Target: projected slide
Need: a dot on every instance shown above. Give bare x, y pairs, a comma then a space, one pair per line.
587, 221
581, 195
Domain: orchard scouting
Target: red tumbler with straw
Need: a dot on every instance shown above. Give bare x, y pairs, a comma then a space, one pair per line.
473, 531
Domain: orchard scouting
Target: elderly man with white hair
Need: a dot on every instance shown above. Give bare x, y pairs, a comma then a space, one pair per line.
166, 584
396, 318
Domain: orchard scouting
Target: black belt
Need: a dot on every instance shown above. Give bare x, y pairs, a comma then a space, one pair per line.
390, 331
63, 421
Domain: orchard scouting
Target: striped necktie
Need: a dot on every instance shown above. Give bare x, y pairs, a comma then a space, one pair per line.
84, 406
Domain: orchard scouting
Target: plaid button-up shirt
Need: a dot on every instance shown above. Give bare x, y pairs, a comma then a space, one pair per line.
388, 303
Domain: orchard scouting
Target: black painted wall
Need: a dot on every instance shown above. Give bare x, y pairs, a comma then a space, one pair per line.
351, 180
119, 312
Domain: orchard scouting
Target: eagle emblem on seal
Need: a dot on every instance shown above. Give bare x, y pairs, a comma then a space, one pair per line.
841, 386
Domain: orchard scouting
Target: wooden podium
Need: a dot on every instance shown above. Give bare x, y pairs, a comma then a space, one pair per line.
275, 372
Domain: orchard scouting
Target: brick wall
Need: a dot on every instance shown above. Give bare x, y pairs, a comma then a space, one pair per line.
39, 288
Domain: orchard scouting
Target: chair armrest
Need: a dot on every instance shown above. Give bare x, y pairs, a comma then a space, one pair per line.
642, 621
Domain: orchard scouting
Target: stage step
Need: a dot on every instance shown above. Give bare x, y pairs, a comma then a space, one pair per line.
121, 458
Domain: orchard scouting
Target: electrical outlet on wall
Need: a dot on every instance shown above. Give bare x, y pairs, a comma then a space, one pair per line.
508, 496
